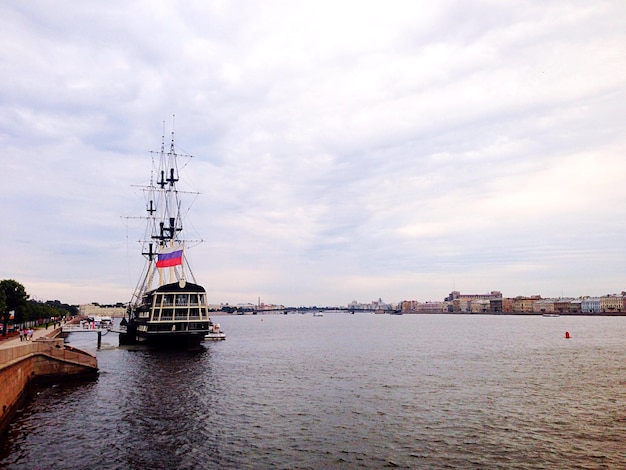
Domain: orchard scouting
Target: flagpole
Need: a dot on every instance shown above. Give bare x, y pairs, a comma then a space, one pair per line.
161, 280
182, 264
172, 273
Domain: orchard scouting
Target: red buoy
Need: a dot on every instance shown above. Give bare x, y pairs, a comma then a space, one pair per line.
567, 335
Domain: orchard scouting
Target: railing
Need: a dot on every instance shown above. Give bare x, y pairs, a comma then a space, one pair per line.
53, 348
80, 329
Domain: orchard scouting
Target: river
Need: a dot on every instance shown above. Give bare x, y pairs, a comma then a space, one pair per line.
343, 391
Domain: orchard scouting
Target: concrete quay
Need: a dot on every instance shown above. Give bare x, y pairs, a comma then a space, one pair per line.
43, 359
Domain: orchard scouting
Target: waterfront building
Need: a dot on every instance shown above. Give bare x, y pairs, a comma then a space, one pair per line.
463, 302
612, 303
496, 305
575, 306
525, 304
563, 305
479, 306
408, 306
590, 305
543, 306
431, 307
374, 305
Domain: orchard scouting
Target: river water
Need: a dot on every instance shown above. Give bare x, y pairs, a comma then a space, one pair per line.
344, 391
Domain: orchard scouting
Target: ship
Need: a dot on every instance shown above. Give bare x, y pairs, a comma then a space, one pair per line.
168, 307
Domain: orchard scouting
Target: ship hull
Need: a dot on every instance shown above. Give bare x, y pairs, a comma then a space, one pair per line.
163, 340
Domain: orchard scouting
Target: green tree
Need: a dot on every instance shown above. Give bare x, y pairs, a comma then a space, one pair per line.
15, 298
3, 304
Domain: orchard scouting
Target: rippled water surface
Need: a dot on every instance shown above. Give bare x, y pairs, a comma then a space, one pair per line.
344, 391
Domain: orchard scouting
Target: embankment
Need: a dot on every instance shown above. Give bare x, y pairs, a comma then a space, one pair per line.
44, 359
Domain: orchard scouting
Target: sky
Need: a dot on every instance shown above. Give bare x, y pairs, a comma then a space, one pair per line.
344, 150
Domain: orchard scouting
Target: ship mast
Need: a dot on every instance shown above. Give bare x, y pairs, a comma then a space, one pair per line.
169, 224
164, 228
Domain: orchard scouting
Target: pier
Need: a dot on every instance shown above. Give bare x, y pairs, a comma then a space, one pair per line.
68, 328
76, 328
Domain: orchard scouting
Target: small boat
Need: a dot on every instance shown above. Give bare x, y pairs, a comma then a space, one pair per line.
104, 322
318, 314
215, 332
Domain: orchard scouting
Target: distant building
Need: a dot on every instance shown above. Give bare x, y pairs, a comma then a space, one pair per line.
496, 305
563, 305
575, 306
474, 303
375, 305
97, 310
543, 306
612, 303
525, 304
590, 305
431, 307
408, 306
480, 306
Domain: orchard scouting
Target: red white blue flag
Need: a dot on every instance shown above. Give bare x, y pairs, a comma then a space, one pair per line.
170, 256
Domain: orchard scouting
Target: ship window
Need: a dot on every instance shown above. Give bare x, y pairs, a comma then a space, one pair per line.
193, 299
201, 299
198, 326
181, 299
194, 313
168, 299
181, 314
155, 315
167, 314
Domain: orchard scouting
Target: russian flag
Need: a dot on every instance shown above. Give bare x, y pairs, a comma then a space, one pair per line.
171, 256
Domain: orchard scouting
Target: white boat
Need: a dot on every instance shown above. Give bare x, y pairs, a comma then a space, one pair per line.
215, 332
104, 321
318, 314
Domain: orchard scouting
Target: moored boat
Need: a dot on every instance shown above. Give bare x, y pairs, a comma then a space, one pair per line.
168, 307
215, 332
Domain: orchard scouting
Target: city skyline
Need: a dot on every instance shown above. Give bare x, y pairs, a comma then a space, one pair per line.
392, 303
342, 150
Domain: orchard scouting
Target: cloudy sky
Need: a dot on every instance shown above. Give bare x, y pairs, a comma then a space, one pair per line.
345, 150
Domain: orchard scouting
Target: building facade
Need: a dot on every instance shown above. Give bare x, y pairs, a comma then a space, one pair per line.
472, 303
590, 305
612, 304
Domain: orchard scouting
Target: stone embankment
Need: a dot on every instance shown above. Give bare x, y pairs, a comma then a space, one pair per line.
45, 358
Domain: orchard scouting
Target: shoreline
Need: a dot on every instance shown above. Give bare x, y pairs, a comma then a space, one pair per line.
391, 312
42, 360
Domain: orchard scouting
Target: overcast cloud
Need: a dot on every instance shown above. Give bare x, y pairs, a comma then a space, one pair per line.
345, 150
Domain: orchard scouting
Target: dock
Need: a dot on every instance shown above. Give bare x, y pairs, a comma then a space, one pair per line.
73, 328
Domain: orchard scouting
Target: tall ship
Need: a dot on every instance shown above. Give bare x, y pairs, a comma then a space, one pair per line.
168, 307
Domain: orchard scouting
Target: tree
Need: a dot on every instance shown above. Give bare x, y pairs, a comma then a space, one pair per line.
3, 304
15, 298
